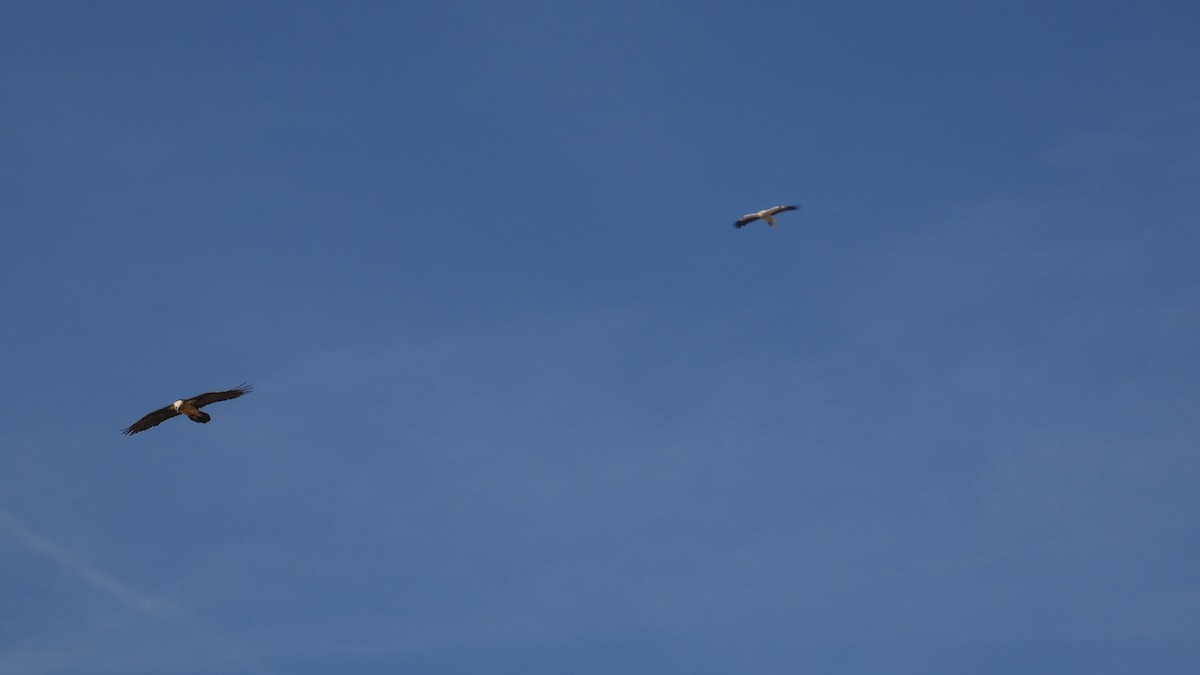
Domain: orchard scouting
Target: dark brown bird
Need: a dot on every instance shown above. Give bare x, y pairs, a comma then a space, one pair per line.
186, 406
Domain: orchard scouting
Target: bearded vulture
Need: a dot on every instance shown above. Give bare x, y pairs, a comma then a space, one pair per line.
765, 214
188, 406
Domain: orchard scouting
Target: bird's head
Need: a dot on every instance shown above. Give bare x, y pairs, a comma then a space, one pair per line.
178, 404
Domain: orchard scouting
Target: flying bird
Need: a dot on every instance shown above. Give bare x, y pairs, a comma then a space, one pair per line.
765, 214
187, 406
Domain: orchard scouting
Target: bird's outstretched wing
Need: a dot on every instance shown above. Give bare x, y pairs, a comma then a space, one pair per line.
745, 220
217, 396
152, 420
780, 209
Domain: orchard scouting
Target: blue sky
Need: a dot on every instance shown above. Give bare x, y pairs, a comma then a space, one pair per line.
526, 403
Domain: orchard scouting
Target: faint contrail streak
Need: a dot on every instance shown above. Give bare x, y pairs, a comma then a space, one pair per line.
135, 600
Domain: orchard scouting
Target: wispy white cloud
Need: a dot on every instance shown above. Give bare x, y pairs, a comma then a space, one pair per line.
181, 638
129, 597
1100, 147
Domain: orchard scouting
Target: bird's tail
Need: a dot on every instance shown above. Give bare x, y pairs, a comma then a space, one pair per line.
201, 417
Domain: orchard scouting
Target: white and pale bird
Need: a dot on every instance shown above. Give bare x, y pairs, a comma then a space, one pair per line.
767, 215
